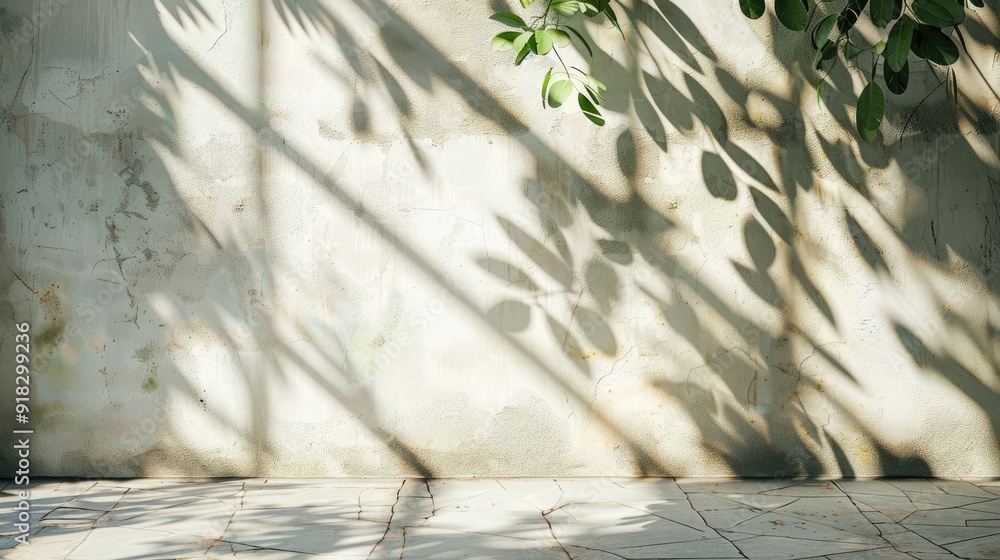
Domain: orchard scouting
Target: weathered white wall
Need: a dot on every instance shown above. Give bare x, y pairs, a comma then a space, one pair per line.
343, 238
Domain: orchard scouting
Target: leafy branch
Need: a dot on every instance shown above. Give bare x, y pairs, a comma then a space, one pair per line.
917, 27
547, 34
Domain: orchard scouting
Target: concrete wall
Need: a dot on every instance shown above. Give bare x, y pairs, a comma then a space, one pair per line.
344, 238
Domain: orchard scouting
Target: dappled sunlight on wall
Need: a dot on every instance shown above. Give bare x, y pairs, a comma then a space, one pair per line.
348, 240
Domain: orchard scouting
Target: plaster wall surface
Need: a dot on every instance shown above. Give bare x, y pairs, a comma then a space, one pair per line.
343, 238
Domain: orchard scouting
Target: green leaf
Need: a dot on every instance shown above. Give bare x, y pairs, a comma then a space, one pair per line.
565, 7
822, 31
880, 47
504, 41
871, 107
528, 47
510, 19
752, 9
930, 43
543, 42
895, 80
589, 110
594, 82
608, 11
898, 44
897, 9
522, 39
586, 105
819, 94
595, 95
791, 13
826, 52
559, 92
582, 40
545, 85
596, 119
868, 135
526, 3
591, 8
849, 16
851, 50
939, 13
559, 37
881, 12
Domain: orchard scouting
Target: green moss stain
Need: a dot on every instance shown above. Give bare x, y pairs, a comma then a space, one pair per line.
61, 374
51, 335
149, 385
145, 354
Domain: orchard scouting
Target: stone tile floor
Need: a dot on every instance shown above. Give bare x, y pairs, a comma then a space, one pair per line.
586, 519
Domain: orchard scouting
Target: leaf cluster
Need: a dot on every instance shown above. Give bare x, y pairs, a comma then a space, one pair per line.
917, 28
548, 33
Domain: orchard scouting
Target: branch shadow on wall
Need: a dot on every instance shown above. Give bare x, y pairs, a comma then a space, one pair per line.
746, 399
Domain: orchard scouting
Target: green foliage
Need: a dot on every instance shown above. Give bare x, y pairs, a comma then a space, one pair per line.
554, 30
897, 47
871, 108
932, 44
881, 11
792, 14
753, 9
915, 27
939, 13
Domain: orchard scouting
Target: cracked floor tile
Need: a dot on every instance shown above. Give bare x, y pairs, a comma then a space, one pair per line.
915, 485
818, 490
984, 547
141, 502
992, 506
302, 497
72, 516
582, 519
750, 486
627, 490
729, 518
954, 517
866, 487
205, 519
304, 530
838, 513
51, 543
521, 525
759, 501
608, 526
703, 548
887, 553
961, 488
796, 528
926, 500
433, 542
943, 536
895, 507
123, 542
791, 548
913, 544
